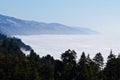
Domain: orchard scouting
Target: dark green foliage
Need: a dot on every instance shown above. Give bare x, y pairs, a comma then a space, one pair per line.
14, 65
33, 56
111, 56
112, 69
69, 57
58, 69
9, 47
69, 65
82, 68
16, 40
98, 59
98, 66
21, 44
48, 59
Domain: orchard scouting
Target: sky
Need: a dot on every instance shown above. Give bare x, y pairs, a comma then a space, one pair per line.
100, 15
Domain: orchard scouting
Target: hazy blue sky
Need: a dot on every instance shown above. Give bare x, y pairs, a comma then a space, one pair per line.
101, 15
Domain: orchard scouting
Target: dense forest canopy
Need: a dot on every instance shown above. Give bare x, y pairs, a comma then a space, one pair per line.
16, 40
15, 65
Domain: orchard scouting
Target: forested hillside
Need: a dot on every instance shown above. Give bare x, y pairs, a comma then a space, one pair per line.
16, 40
15, 65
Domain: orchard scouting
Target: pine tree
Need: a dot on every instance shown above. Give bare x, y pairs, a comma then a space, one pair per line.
82, 68
69, 65
112, 69
98, 59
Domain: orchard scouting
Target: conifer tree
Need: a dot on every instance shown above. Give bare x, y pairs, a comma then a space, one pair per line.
69, 65
82, 68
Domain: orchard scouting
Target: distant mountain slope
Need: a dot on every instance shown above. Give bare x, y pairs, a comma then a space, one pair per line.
13, 26
15, 40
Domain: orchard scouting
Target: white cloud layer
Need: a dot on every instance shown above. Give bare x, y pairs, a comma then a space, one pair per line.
55, 45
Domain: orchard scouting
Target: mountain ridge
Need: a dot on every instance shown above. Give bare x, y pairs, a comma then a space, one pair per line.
15, 26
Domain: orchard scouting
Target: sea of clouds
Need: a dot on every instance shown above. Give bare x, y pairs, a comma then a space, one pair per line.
55, 45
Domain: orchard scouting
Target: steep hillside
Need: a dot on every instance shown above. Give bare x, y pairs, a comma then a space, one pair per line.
15, 40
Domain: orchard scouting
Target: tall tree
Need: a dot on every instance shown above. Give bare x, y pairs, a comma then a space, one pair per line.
98, 59
69, 65
82, 68
69, 56
112, 68
90, 68
111, 56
